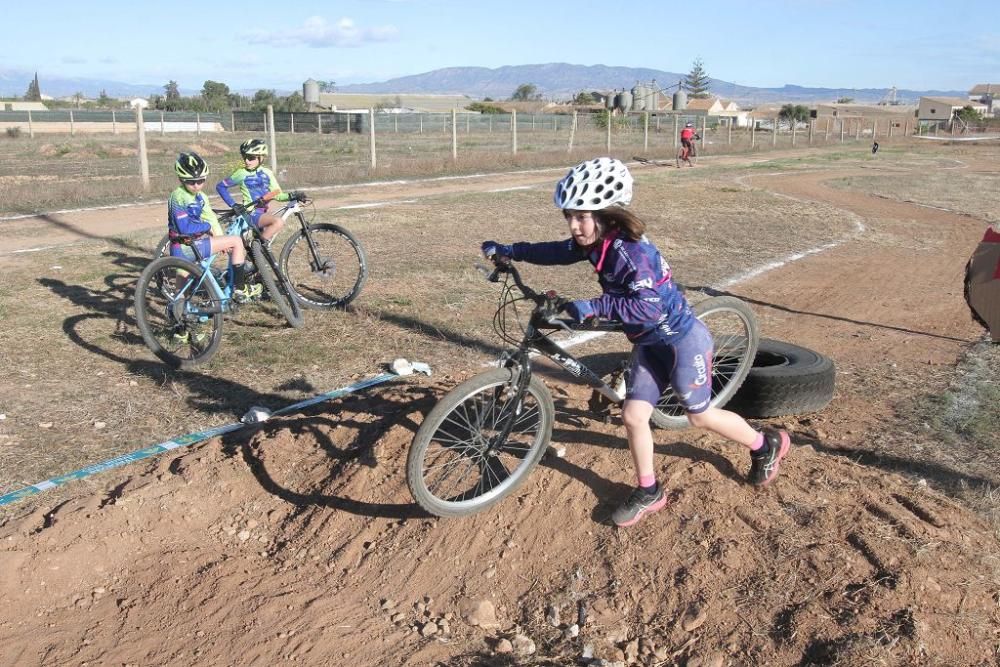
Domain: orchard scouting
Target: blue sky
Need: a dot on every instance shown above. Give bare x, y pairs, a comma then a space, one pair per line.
255, 44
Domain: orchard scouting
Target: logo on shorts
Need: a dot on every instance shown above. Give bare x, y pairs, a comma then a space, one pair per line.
701, 369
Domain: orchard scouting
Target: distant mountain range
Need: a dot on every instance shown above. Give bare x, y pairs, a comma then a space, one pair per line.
554, 81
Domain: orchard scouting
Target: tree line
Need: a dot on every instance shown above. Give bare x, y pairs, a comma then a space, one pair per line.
214, 97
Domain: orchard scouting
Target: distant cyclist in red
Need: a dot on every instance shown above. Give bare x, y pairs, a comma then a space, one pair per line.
688, 137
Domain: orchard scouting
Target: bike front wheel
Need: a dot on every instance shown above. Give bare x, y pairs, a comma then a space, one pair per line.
456, 466
735, 336
176, 312
276, 284
325, 264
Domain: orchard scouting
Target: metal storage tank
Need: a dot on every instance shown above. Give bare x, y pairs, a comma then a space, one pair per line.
310, 91
639, 97
626, 101
680, 100
609, 101
618, 101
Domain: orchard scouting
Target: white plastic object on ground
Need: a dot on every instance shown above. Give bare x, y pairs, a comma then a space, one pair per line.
256, 415
402, 367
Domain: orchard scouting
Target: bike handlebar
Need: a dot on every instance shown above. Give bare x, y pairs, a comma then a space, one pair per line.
547, 304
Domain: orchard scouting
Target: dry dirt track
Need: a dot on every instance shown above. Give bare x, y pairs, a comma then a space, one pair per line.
255, 550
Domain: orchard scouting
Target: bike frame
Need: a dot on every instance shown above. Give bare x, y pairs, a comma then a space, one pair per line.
535, 340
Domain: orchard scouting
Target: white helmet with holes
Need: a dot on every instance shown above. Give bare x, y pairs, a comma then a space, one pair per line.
595, 184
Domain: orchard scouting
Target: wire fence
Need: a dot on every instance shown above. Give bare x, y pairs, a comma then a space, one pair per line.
43, 170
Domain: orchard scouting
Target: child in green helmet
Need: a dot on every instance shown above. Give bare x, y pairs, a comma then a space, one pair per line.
192, 222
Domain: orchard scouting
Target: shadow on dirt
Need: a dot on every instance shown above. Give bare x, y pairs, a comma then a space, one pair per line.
711, 291
369, 418
77, 231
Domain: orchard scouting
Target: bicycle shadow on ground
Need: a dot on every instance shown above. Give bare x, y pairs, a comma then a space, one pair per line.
48, 218
711, 291
368, 435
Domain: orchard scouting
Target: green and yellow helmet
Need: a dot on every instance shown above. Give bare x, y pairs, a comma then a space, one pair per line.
190, 167
253, 148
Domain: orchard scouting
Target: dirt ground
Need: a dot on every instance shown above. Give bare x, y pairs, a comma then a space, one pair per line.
296, 542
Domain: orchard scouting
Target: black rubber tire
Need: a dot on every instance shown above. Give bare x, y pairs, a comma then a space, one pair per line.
276, 285
162, 248
735, 345
152, 300
336, 286
451, 437
785, 379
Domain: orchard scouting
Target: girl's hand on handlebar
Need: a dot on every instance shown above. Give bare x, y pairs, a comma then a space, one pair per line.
581, 310
495, 251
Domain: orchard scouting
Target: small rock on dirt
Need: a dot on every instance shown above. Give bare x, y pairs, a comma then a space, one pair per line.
504, 646
707, 660
523, 646
694, 620
479, 613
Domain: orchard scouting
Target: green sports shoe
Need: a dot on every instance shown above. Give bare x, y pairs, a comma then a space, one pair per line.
249, 293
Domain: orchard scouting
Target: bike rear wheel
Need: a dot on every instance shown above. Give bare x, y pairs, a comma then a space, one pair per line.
455, 467
170, 303
276, 284
735, 336
331, 272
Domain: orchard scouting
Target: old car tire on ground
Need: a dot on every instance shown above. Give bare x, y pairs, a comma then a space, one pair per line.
785, 379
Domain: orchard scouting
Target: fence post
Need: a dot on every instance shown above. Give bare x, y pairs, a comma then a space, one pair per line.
348, 123
140, 128
319, 123
491, 123
704, 130
163, 126
421, 117
467, 122
841, 130
774, 135
857, 130
265, 122
454, 133
513, 131
555, 123
532, 122
114, 123
794, 128
197, 124
611, 117
292, 121
729, 132
371, 135
232, 121
874, 129
753, 133
812, 124
645, 131
890, 128
72, 128
572, 133
270, 131
31, 128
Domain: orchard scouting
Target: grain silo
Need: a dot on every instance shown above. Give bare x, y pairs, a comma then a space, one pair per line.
626, 101
680, 100
310, 91
639, 97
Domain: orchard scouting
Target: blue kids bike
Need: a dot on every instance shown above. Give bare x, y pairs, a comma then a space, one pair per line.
180, 303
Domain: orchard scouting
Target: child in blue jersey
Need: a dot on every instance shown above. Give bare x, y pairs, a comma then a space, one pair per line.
672, 347
255, 180
192, 222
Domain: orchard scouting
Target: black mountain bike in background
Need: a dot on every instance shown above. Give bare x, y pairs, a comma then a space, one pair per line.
325, 264
484, 437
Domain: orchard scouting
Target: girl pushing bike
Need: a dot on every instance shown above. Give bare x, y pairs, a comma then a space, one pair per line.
672, 348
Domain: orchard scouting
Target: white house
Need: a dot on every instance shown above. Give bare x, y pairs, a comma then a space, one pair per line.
943, 108
986, 93
139, 103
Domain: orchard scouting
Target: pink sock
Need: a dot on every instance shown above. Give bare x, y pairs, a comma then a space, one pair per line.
757, 443
647, 481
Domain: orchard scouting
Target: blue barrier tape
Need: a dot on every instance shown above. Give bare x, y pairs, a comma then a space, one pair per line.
181, 441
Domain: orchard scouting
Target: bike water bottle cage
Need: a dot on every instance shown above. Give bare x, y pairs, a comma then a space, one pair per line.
594, 185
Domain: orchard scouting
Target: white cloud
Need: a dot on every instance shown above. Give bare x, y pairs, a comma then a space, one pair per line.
319, 33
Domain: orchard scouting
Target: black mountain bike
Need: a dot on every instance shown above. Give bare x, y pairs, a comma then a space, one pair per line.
180, 302
484, 437
325, 264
